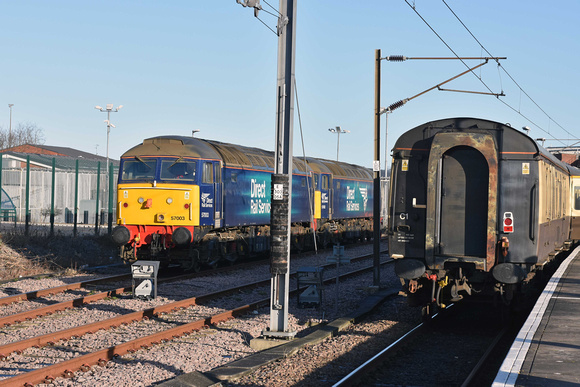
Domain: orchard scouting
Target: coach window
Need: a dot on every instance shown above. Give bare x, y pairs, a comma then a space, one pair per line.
315, 181
577, 198
207, 176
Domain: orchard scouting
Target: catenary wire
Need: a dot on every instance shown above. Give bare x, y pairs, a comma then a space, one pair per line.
481, 80
305, 163
504, 69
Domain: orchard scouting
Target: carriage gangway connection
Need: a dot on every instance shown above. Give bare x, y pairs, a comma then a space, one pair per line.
546, 351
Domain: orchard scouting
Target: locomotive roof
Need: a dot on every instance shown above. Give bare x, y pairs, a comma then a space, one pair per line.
238, 156
508, 140
173, 146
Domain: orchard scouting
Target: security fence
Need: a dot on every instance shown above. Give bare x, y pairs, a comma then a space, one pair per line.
44, 196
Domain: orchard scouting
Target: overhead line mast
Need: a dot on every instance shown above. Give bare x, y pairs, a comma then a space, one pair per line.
280, 213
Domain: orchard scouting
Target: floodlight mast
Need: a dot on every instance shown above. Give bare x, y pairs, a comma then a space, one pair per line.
10, 127
338, 131
109, 109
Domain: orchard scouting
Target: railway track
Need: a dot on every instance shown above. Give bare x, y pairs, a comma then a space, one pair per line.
439, 352
92, 296
183, 325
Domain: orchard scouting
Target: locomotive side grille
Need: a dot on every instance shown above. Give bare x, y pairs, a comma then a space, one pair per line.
335, 169
232, 156
269, 161
299, 166
257, 161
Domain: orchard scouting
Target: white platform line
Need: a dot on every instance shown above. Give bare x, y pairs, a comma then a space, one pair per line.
510, 369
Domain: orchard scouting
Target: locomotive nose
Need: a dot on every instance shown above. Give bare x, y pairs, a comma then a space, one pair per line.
121, 235
181, 236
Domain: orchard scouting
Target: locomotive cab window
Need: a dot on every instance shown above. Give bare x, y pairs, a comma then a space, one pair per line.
324, 182
139, 169
178, 170
315, 181
207, 176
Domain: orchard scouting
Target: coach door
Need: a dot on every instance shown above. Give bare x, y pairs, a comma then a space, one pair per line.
326, 193
575, 223
463, 209
210, 194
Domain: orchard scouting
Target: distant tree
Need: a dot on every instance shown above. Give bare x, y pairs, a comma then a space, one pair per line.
22, 133
45, 212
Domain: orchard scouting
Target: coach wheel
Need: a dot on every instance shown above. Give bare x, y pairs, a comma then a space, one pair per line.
192, 263
324, 239
428, 311
298, 243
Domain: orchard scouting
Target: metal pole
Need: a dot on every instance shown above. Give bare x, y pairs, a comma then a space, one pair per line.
282, 179
110, 225
386, 141
337, 142
52, 191
108, 132
1, 160
27, 198
76, 205
377, 175
97, 198
10, 127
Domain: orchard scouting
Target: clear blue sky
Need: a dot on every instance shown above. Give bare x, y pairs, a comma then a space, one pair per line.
179, 66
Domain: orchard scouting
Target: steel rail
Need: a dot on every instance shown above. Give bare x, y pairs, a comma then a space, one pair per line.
49, 309
379, 358
58, 289
484, 358
101, 357
371, 364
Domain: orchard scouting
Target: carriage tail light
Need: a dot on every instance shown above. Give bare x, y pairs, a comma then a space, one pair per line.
508, 222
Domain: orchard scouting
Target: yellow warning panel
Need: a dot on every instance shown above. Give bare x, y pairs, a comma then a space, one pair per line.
525, 168
317, 205
405, 166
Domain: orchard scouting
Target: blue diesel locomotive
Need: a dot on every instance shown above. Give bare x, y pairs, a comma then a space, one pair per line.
194, 201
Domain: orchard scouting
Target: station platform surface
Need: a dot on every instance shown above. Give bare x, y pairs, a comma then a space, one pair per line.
546, 351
